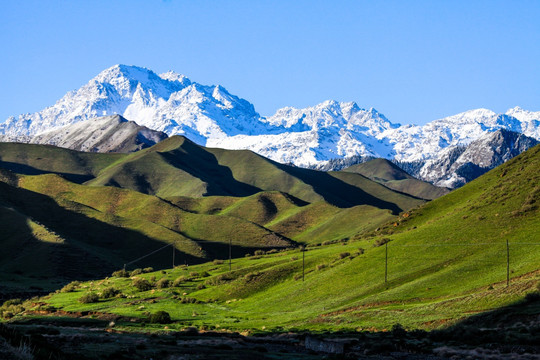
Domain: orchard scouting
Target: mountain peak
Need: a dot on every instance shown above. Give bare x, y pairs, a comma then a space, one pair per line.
174, 76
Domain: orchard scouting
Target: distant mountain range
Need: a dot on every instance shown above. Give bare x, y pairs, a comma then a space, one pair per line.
325, 136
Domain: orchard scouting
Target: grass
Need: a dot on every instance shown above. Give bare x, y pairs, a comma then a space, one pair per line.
446, 262
56, 209
391, 176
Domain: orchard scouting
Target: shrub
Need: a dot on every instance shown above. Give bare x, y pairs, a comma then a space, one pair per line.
163, 283
398, 330
136, 272
109, 292
532, 297
71, 287
178, 281
10, 308
12, 302
217, 262
259, 252
142, 284
188, 300
160, 317
343, 255
148, 269
89, 298
194, 274
120, 273
381, 242
251, 276
218, 280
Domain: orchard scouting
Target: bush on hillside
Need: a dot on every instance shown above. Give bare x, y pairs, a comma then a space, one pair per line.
179, 280
142, 284
10, 308
163, 283
160, 317
218, 280
148, 269
217, 262
381, 241
136, 272
120, 273
343, 255
259, 252
109, 292
89, 298
71, 287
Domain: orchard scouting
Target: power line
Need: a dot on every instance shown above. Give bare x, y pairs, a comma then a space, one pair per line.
147, 255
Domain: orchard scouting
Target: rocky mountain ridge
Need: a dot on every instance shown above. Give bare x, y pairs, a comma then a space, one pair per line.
313, 137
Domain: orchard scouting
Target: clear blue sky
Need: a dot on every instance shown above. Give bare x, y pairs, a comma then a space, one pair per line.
414, 61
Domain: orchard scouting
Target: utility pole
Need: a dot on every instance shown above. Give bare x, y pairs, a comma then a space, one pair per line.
303, 262
230, 254
507, 263
385, 263
173, 248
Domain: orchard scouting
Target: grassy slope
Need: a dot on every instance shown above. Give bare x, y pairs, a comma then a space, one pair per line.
391, 176
49, 224
31, 159
447, 260
178, 167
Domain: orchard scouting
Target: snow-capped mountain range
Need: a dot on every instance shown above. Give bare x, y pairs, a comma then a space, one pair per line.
310, 137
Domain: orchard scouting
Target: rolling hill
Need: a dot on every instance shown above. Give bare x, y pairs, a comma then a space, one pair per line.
390, 175
61, 206
447, 260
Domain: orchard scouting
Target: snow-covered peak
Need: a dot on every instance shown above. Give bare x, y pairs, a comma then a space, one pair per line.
523, 115
310, 136
175, 77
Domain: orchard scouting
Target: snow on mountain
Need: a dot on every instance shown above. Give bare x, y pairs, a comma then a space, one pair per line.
169, 102
310, 137
316, 134
456, 165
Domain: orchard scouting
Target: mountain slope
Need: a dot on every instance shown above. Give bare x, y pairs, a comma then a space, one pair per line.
186, 169
446, 262
57, 223
456, 166
390, 175
310, 137
105, 134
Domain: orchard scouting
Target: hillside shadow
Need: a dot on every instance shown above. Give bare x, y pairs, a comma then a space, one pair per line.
336, 191
24, 169
92, 248
203, 165
518, 321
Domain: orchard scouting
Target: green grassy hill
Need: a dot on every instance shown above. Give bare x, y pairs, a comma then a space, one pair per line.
55, 229
391, 176
178, 167
55, 209
446, 262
